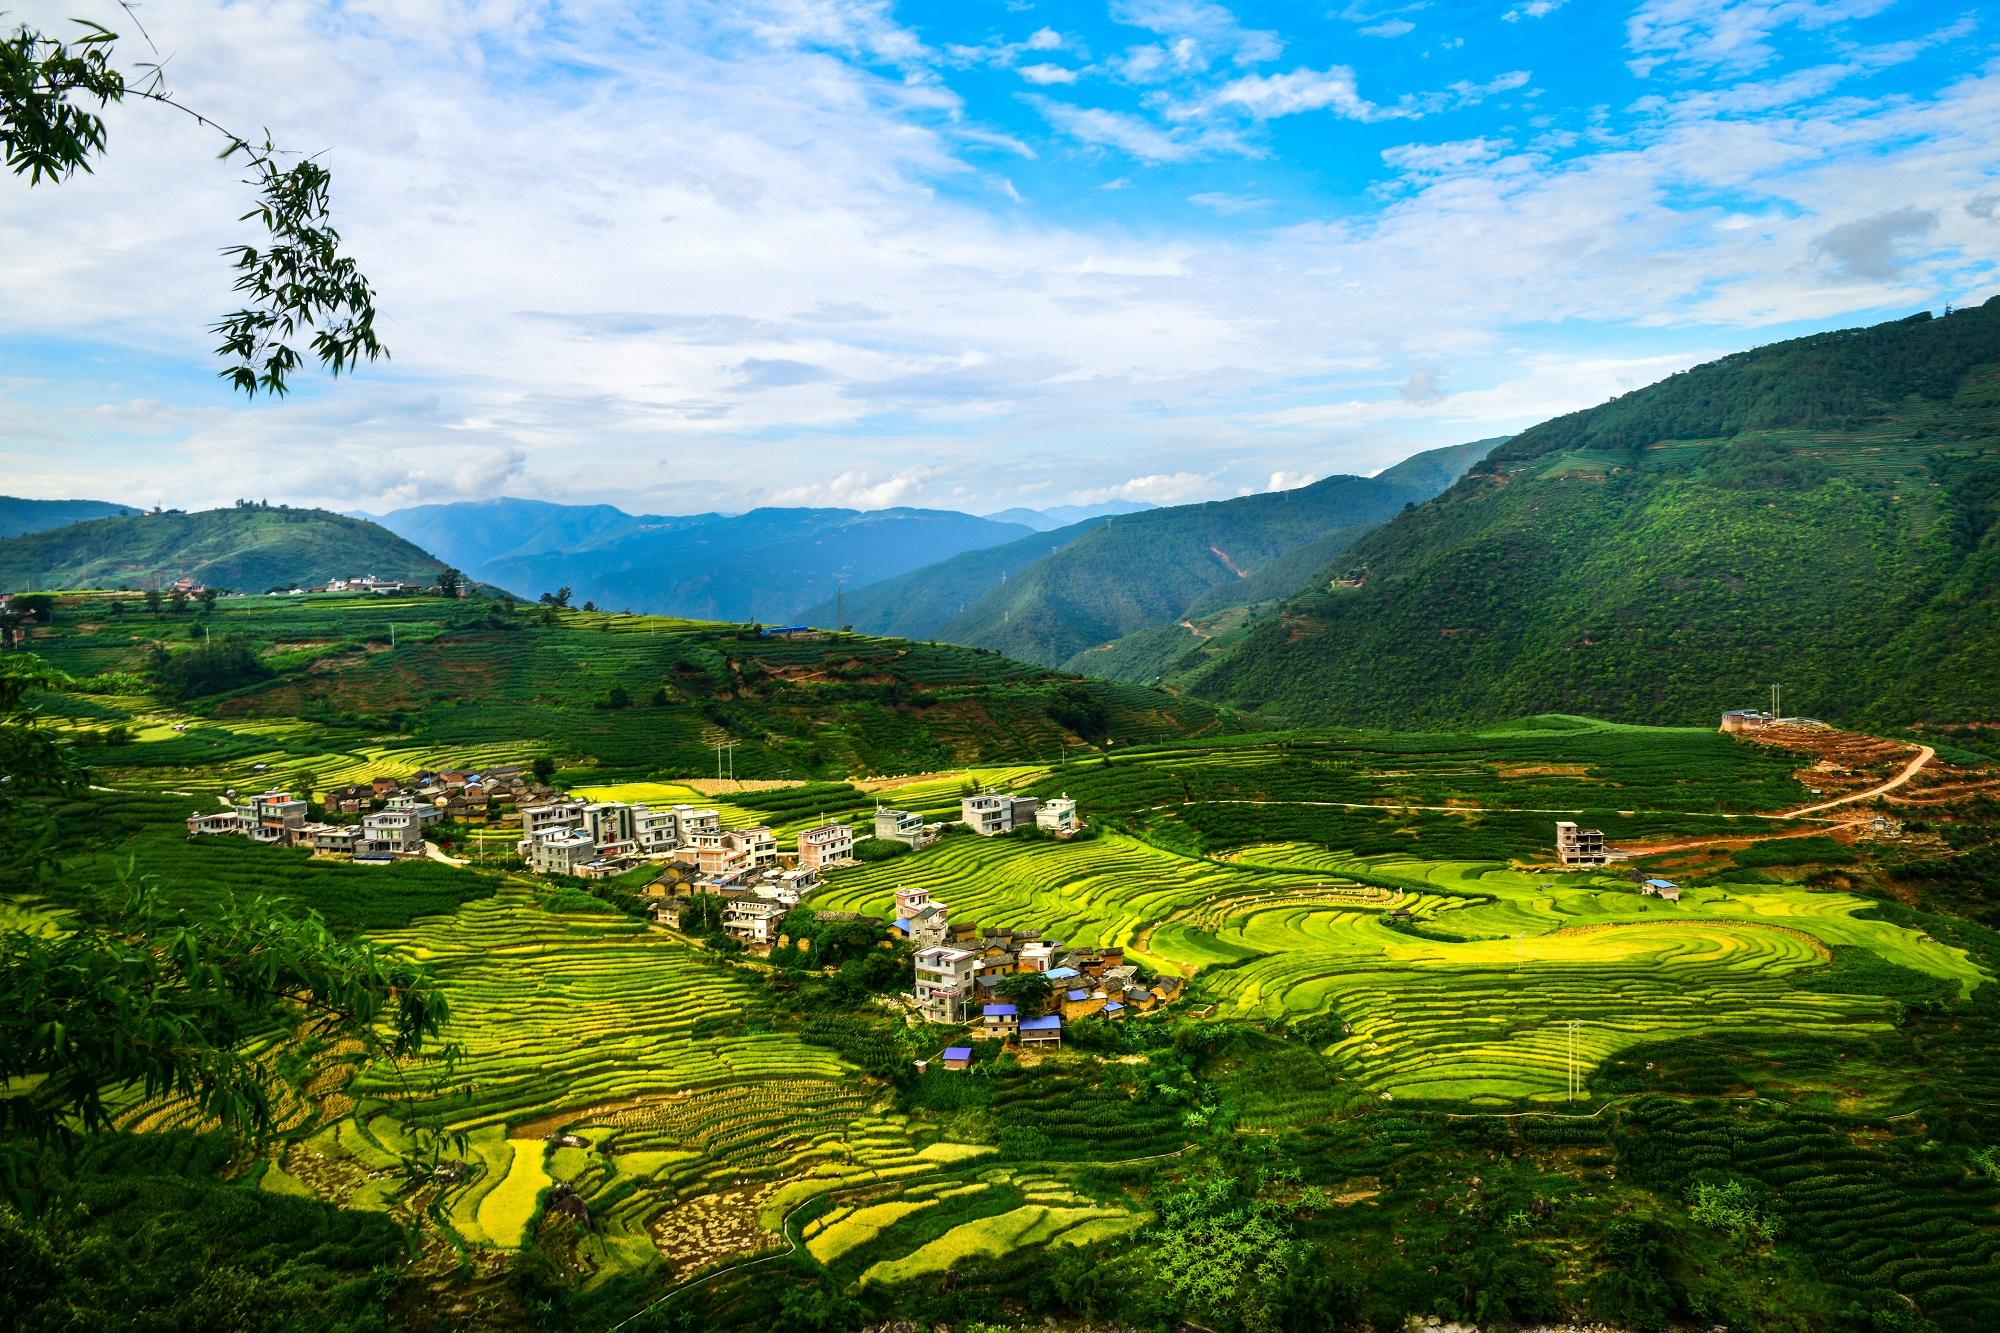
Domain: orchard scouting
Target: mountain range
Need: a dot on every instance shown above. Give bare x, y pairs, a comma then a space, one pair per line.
1061, 516
1818, 513
767, 565
1060, 597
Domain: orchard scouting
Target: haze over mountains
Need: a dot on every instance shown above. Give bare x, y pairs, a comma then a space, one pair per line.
767, 565
1057, 596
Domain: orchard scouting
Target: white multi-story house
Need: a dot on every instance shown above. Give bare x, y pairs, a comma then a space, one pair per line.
987, 814
695, 821
222, 821
609, 824
390, 833
944, 978
560, 851
1057, 816
656, 830
426, 813
272, 816
336, 837
1036, 956
825, 845
992, 813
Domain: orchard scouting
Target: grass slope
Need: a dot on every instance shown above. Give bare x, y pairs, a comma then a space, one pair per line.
247, 549
1819, 512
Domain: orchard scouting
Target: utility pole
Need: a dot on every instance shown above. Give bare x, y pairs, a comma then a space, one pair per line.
1575, 1081
840, 605
1777, 695
392, 634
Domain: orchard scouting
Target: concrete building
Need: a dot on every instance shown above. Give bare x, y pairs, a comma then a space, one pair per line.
902, 826
541, 816
988, 814
957, 1057
921, 919
1663, 888
559, 851
1746, 719
944, 982
1045, 1031
390, 833
1037, 955
609, 824
1058, 816
825, 845
426, 813
754, 921
222, 821
1000, 1020
337, 838
1579, 846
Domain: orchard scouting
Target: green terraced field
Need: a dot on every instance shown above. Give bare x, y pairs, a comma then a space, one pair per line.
1289, 931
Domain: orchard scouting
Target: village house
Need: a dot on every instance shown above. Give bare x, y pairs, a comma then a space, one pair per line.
390, 833
944, 979
988, 814
1166, 989
921, 919
609, 825
558, 851
1044, 1031
1663, 888
1036, 955
426, 813
221, 821
1081, 1003
957, 1057
349, 800
1579, 846
754, 921
1112, 1009
903, 826
542, 816
272, 816
1000, 1020
1058, 816
825, 845
335, 838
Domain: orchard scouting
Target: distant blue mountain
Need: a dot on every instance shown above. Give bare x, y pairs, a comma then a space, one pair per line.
1061, 516
18, 517
769, 564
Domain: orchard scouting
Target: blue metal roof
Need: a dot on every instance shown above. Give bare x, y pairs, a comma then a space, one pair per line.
1000, 1011
958, 1052
1077, 995
1662, 884
1062, 973
1048, 1024
1109, 1005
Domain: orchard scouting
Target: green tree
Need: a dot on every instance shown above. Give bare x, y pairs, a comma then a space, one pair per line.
299, 287
544, 768
153, 600
450, 583
1030, 990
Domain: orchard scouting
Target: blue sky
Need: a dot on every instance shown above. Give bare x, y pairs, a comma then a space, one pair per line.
981, 254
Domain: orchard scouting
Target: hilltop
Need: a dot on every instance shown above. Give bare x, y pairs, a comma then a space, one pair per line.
1055, 597
247, 549
1818, 512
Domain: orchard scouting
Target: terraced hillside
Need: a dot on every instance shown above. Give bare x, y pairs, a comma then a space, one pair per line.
340, 686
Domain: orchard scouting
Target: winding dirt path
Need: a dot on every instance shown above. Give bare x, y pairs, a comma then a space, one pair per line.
1924, 755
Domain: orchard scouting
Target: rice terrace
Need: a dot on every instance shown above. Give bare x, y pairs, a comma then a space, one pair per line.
1305, 992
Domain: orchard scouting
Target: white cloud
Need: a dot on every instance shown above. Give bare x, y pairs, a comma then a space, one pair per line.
1728, 35
1290, 481
1228, 204
859, 490
1046, 74
1198, 31
1268, 95
772, 293
1392, 28
1534, 9
1161, 488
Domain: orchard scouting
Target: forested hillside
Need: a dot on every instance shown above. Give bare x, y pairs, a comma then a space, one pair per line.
247, 549
1819, 513
1079, 588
